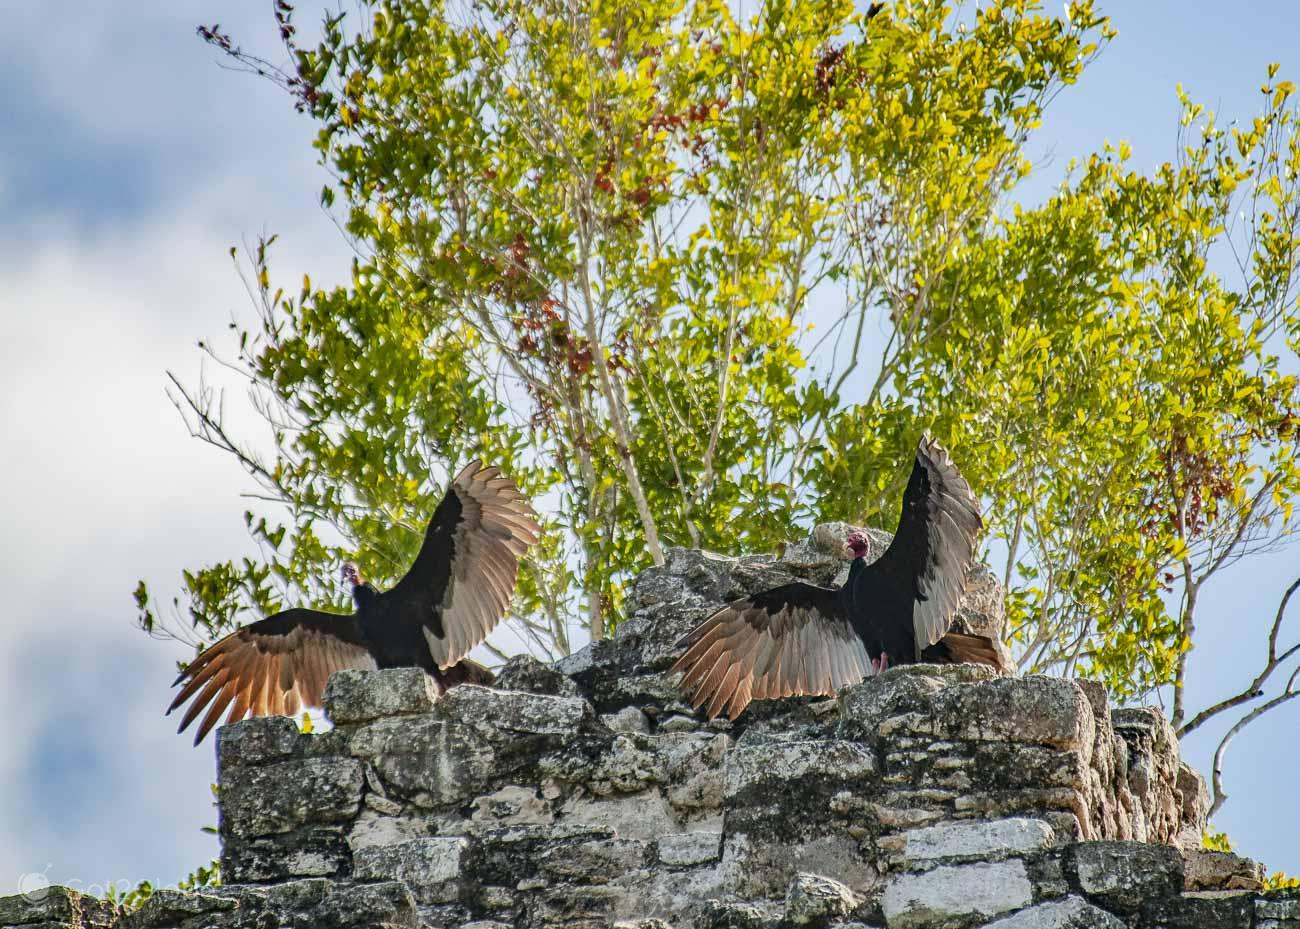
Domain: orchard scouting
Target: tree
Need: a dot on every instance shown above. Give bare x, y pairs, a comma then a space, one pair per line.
698, 280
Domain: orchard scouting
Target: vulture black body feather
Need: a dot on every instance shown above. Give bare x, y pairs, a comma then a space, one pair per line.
454, 594
805, 639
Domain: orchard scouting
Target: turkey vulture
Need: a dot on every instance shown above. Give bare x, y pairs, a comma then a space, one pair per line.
454, 594
804, 639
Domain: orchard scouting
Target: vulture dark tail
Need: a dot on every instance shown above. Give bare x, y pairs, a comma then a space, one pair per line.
957, 648
466, 672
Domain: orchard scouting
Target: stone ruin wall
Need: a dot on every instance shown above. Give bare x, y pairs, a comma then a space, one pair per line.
588, 794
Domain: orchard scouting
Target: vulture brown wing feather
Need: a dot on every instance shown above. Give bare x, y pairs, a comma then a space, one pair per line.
776, 643
214, 686
465, 571
266, 667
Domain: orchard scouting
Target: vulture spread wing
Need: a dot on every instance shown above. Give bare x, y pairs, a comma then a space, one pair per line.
935, 540
463, 577
273, 666
794, 639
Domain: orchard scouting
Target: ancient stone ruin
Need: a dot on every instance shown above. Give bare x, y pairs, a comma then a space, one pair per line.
589, 795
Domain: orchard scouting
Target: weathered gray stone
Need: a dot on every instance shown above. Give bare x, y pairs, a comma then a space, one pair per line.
953, 893
751, 767
431, 867
353, 696
524, 672
1124, 875
167, 908
311, 851
257, 741
901, 690
1278, 909
54, 904
279, 797
997, 838
595, 861
1036, 709
1153, 775
642, 816
1070, 913
628, 719
1201, 910
1207, 870
372, 828
512, 711
815, 900
513, 805
689, 848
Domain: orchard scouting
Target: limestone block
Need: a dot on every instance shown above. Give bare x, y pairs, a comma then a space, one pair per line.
312, 851
372, 828
757, 867
577, 907
951, 893
166, 908
431, 867
720, 914
524, 672
1202, 910
689, 848
1035, 709
902, 690
780, 764
513, 805
510, 856
632, 764
1279, 909
989, 840
1123, 875
54, 904
353, 696
279, 797
815, 900
594, 861
258, 740
1153, 773
646, 815
1207, 870
628, 719
508, 711
323, 903
1070, 913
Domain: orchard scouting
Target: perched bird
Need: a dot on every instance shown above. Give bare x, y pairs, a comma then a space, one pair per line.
804, 639
455, 593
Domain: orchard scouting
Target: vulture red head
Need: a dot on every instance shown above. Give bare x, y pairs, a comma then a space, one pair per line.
857, 545
351, 576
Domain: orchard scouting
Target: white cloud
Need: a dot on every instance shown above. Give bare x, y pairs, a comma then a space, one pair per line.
105, 486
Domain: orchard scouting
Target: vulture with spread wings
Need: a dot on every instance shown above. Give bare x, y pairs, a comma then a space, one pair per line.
804, 639
455, 593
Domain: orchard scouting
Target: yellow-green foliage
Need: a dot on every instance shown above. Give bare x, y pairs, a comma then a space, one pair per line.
730, 268
1279, 880
1216, 841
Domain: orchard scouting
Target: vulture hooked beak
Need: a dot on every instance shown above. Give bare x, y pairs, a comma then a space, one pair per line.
350, 574
857, 545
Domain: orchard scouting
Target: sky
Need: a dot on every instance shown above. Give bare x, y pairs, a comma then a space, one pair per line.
130, 162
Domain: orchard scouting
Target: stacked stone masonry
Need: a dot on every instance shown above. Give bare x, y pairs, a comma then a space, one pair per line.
589, 795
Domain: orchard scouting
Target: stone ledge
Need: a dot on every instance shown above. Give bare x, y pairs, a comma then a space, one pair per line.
951, 894
360, 696
588, 794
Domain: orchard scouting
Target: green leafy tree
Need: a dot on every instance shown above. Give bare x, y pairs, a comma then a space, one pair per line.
699, 280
